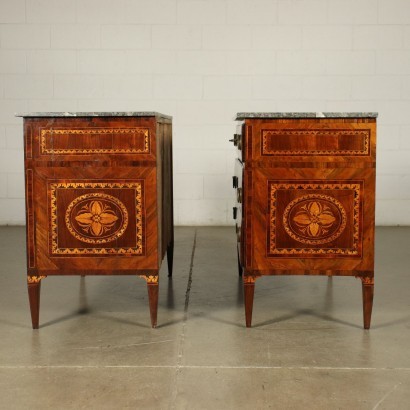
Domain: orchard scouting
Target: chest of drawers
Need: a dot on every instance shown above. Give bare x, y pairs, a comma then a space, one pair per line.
306, 197
98, 197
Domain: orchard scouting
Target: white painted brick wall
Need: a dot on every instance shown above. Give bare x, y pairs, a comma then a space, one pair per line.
202, 61
12, 11
3, 138
126, 36
46, 11
75, 36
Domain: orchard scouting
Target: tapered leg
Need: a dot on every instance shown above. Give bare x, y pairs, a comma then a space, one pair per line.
153, 302
368, 292
152, 285
170, 257
34, 286
249, 289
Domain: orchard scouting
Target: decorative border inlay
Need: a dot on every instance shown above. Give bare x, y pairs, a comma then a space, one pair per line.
150, 279
35, 279
352, 186
94, 131
313, 133
31, 254
136, 185
29, 142
367, 280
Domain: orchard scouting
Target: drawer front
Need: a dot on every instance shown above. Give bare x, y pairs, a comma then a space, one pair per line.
310, 220
94, 140
91, 139
315, 142
95, 219
341, 141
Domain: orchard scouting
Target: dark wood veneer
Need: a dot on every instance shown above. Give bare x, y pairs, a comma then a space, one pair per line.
307, 203
98, 199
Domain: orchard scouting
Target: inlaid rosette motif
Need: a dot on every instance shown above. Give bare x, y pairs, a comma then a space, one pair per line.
96, 218
314, 219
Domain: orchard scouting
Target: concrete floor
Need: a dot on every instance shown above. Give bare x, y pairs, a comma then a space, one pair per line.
306, 350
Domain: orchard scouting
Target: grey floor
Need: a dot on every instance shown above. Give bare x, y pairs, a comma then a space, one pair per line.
306, 350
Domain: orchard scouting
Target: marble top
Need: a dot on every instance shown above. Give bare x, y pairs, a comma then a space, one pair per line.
244, 115
94, 114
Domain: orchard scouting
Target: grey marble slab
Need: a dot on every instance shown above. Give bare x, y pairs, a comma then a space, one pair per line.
94, 114
244, 115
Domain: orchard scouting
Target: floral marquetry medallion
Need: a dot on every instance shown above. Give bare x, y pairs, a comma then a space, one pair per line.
96, 218
314, 219
101, 218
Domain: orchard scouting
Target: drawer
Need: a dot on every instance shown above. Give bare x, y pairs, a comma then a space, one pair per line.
307, 140
85, 139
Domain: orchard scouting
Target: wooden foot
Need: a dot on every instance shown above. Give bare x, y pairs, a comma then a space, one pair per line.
368, 292
34, 286
153, 302
249, 289
170, 257
152, 285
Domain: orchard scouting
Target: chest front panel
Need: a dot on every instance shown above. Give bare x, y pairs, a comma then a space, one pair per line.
92, 195
308, 192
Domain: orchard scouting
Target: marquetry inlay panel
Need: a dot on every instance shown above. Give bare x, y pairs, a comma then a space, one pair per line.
316, 142
101, 218
82, 141
314, 219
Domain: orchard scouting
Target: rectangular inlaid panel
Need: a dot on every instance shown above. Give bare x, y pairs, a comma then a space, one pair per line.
315, 219
83, 141
315, 142
96, 218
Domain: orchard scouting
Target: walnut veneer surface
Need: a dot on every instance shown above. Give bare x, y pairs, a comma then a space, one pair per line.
98, 197
306, 197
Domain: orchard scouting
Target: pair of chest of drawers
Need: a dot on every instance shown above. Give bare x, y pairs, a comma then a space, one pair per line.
306, 197
98, 197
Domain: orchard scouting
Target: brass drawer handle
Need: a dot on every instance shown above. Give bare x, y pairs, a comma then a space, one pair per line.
237, 140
